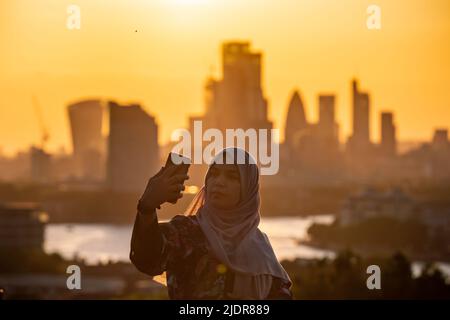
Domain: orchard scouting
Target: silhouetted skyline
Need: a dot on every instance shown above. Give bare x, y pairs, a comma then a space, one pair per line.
316, 48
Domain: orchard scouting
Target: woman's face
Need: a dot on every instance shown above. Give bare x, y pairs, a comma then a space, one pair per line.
223, 186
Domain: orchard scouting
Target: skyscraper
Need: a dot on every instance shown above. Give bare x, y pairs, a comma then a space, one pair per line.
361, 106
88, 144
327, 124
440, 139
133, 152
237, 100
295, 120
388, 131
359, 142
40, 166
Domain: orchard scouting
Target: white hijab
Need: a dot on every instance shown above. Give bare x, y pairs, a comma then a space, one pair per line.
234, 236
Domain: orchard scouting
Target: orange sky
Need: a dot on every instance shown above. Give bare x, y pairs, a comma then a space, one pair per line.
316, 46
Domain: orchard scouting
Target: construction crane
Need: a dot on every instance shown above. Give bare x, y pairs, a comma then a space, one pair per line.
44, 132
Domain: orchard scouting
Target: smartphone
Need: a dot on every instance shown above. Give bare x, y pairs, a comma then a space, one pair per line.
175, 159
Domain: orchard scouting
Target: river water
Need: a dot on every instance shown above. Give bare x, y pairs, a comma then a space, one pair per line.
97, 243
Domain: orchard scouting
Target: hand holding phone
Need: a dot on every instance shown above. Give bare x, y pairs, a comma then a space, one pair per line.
167, 185
175, 159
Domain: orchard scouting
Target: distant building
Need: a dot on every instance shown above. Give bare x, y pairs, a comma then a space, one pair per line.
88, 144
16, 168
296, 122
361, 115
394, 204
359, 143
326, 110
313, 149
133, 152
327, 123
388, 143
41, 168
439, 160
234, 101
359, 151
440, 139
371, 203
22, 226
431, 161
438, 221
237, 100
240, 99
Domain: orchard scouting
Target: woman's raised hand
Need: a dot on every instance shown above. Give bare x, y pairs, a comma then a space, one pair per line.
165, 186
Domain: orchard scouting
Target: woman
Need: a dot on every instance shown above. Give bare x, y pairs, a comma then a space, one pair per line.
216, 250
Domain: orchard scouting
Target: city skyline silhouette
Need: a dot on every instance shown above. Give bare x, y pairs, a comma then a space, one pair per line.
310, 47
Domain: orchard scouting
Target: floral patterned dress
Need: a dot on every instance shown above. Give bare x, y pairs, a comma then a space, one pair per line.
180, 248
